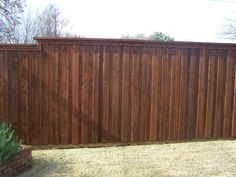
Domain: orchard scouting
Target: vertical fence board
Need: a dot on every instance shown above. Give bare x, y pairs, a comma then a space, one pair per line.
174, 96
5, 112
4, 86
183, 93
159, 81
90, 91
233, 132
70, 51
95, 96
144, 92
2, 65
114, 99
210, 94
13, 110
135, 87
229, 88
202, 94
105, 94
63, 95
54, 98
23, 97
80, 92
193, 90
125, 95
155, 54
85, 96
44, 94
220, 87
75, 95
34, 97
30, 101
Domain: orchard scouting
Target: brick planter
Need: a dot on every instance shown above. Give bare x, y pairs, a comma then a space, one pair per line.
18, 164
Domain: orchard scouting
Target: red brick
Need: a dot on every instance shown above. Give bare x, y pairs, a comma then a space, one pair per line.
21, 162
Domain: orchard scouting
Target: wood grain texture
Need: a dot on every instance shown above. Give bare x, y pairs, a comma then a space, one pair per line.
220, 90
95, 92
155, 54
105, 93
2, 82
75, 95
53, 89
229, 93
193, 90
13, 110
44, 95
63, 94
125, 108
174, 95
202, 93
79, 92
183, 107
23, 97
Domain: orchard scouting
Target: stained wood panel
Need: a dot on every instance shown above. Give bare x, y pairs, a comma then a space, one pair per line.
174, 95
229, 93
145, 92
114, 98
125, 110
136, 94
63, 115
220, 89
193, 90
105, 93
110, 91
75, 95
95, 94
2, 82
202, 93
44, 95
54, 97
183, 107
13, 106
23, 97
156, 57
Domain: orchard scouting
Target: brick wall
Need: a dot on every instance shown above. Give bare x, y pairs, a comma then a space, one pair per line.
18, 164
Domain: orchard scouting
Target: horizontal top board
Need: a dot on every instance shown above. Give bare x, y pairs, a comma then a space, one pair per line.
115, 42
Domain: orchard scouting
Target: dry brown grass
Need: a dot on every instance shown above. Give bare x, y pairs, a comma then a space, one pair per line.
213, 158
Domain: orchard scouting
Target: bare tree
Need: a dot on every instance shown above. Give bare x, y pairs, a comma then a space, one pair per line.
137, 36
51, 23
155, 36
47, 23
10, 11
28, 28
230, 30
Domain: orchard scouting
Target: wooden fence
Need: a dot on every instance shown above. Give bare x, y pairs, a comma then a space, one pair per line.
80, 91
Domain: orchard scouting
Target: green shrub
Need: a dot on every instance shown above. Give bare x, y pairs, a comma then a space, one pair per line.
9, 143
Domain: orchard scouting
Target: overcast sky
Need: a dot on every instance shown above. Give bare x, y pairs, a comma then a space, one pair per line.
185, 20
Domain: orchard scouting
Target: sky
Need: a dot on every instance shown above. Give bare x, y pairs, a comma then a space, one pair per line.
185, 20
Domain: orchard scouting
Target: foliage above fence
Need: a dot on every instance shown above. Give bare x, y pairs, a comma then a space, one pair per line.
79, 91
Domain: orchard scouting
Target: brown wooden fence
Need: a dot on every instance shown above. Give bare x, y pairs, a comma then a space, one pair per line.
79, 91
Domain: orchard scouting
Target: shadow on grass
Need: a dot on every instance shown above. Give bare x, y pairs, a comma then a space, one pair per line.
46, 167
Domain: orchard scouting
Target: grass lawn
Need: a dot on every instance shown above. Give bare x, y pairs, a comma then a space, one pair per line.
213, 158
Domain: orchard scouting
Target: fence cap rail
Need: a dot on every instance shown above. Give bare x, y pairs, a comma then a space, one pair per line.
115, 42
134, 42
19, 47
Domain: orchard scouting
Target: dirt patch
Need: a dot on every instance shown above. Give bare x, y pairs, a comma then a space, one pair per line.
214, 158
